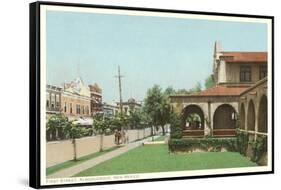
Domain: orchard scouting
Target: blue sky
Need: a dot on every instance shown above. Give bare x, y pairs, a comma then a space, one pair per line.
150, 50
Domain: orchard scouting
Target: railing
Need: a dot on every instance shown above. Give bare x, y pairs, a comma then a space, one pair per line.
193, 133
224, 132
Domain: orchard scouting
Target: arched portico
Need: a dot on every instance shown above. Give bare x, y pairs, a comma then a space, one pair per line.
255, 102
224, 120
193, 117
242, 116
251, 120
193, 120
262, 115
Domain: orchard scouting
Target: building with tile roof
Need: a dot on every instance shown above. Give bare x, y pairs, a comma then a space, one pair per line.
217, 108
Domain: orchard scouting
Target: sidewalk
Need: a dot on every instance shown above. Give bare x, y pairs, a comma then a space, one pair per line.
69, 172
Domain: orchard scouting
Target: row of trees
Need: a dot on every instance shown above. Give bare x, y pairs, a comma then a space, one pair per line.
101, 125
155, 113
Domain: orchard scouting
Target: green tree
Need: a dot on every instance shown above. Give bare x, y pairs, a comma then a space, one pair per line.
146, 121
209, 82
169, 91
176, 126
196, 88
101, 125
157, 107
182, 91
54, 124
74, 131
194, 120
134, 119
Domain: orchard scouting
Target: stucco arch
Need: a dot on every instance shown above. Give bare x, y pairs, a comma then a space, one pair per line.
242, 116
225, 117
191, 109
262, 114
251, 116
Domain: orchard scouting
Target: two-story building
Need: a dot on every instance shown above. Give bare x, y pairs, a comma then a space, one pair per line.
53, 100
96, 98
216, 109
130, 106
75, 100
109, 110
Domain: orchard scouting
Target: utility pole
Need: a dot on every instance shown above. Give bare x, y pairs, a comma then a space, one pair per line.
119, 76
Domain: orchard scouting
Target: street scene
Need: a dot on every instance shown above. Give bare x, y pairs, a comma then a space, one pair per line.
136, 95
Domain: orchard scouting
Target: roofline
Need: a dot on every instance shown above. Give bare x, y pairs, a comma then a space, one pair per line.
243, 51
253, 86
194, 95
250, 62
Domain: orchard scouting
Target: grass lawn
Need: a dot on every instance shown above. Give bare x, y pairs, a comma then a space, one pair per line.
161, 138
155, 158
71, 163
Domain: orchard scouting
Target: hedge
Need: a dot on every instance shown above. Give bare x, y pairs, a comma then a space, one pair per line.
205, 144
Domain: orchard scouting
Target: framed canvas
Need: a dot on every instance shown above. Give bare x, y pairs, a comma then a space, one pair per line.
126, 94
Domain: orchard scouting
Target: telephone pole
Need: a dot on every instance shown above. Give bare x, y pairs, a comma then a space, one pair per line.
119, 76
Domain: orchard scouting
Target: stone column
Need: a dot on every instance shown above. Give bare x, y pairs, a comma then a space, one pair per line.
208, 127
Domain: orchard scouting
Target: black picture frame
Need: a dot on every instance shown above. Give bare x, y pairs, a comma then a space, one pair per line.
34, 98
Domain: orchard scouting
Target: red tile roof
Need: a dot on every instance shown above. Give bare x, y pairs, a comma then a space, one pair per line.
221, 91
235, 57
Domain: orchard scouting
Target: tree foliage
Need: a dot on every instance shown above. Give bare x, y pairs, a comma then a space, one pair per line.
75, 131
182, 91
170, 91
176, 126
135, 119
157, 107
56, 123
101, 124
196, 88
209, 82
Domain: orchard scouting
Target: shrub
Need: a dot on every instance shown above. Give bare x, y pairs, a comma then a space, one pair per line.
242, 141
175, 126
259, 147
205, 144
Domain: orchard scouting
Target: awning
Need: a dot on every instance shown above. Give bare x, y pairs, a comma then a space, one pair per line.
84, 121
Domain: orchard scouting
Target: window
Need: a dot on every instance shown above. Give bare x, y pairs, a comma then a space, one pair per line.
70, 107
77, 109
83, 111
57, 100
47, 99
87, 110
245, 74
263, 71
53, 100
65, 108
